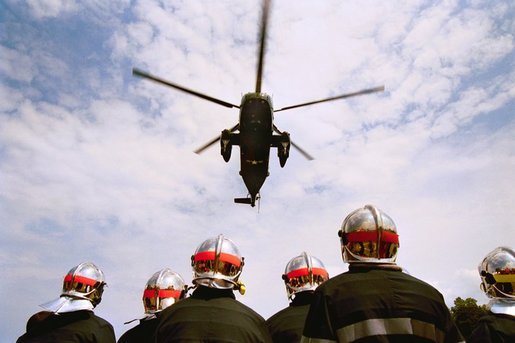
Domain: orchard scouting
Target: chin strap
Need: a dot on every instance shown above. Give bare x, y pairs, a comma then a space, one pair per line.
240, 286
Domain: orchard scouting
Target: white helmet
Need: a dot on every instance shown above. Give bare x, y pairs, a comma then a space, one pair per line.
497, 272
217, 263
304, 273
83, 287
369, 235
163, 289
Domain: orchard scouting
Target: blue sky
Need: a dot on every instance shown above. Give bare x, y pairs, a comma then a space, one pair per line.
98, 165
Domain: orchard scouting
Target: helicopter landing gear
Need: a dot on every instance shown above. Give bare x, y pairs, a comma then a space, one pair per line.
283, 148
225, 145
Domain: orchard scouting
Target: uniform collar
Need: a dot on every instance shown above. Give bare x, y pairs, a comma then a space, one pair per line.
360, 266
207, 293
302, 298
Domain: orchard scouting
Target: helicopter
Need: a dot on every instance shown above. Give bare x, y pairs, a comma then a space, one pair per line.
255, 133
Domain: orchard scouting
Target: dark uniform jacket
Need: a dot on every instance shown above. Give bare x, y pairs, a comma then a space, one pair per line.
141, 333
211, 315
79, 326
494, 328
286, 325
378, 303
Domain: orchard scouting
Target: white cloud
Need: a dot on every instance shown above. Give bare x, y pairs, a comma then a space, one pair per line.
99, 165
51, 8
17, 65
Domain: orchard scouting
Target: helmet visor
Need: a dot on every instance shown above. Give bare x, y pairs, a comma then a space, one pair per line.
152, 297
226, 264
79, 284
505, 283
303, 279
364, 243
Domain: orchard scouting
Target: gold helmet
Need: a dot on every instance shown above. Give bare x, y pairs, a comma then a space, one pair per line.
369, 235
497, 272
217, 263
163, 289
304, 273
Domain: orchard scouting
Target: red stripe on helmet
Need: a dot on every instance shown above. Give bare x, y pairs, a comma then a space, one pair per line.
210, 256
205, 256
149, 293
162, 293
305, 271
81, 279
169, 293
235, 260
366, 236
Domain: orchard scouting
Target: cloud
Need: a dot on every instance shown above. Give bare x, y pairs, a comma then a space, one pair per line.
98, 165
16, 65
42, 9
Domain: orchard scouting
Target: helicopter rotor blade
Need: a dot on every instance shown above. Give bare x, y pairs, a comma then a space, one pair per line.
343, 96
302, 151
262, 40
207, 145
214, 140
148, 76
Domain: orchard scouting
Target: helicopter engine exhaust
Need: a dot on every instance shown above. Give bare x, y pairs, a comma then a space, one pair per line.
283, 148
225, 145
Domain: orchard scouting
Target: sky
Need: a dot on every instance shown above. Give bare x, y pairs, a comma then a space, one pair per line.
98, 165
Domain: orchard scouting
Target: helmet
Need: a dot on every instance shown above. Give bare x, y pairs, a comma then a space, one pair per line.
217, 263
163, 289
369, 235
303, 273
83, 286
85, 281
497, 272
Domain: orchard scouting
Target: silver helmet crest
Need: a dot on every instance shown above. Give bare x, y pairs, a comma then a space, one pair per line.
164, 288
217, 263
303, 273
369, 235
83, 287
497, 272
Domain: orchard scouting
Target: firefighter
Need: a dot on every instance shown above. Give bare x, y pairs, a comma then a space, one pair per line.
302, 276
375, 301
212, 312
497, 272
70, 318
163, 289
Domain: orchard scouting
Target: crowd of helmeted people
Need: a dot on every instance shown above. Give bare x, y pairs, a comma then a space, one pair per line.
374, 301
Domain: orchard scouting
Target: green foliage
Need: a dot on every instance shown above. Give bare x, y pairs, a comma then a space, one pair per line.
466, 314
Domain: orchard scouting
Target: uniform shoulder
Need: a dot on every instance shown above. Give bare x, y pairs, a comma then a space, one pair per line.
418, 281
277, 314
99, 319
101, 322
225, 303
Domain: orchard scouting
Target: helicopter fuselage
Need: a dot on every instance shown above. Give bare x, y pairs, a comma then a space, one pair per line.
255, 140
